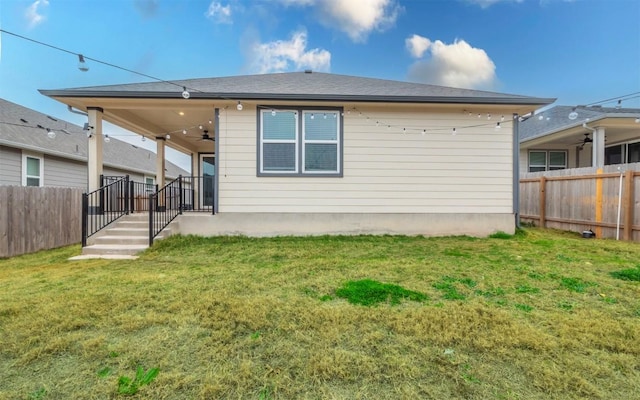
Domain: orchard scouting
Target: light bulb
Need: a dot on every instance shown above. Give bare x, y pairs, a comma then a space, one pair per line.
540, 117
619, 105
51, 134
107, 139
82, 65
168, 136
185, 93
453, 132
478, 115
273, 113
498, 125
424, 132
144, 139
573, 114
184, 131
325, 116
502, 118
239, 106
638, 120
200, 127
488, 116
312, 116
404, 130
210, 122
377, 123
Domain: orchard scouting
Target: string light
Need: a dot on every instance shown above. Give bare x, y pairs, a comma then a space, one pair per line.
168, 136
185, 93
144, 139
82, 65
454, 131
488, 116
51, 134
184, 131
107, 139
619, 105
498, 126
239, 106
273, 113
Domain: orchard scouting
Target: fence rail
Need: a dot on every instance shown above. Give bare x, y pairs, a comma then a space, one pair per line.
104, 205
38, 218
164, 206
603, 200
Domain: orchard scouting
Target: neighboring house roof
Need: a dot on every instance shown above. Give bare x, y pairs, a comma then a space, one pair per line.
71, 141
557, 119
306, 85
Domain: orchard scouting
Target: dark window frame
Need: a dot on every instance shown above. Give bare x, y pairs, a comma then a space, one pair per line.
300, 141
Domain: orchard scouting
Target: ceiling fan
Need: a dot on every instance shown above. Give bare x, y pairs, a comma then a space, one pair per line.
205, 136
586, 140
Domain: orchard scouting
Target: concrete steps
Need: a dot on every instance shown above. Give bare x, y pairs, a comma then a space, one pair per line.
125, 238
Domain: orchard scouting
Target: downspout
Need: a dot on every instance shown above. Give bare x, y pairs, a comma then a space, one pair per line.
516, 170
77, 111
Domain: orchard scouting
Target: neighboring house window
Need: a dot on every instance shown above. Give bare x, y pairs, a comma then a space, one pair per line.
300, 142
622, 153
149, 184
32, 170
547, 160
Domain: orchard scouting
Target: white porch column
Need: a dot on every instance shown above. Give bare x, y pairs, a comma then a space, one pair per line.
598, 148
160, 162
94, 156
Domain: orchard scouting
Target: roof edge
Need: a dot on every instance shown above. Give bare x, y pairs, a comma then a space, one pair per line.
300, 97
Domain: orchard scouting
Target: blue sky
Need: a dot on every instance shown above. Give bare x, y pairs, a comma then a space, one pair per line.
580, 51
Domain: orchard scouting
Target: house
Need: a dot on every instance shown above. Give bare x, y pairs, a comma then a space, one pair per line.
39, 150
308, 153
576, 137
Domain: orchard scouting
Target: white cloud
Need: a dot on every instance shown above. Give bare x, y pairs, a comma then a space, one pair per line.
457, 64
282, 55
32, 13
489, 3
356, 18
219, 13
417, 45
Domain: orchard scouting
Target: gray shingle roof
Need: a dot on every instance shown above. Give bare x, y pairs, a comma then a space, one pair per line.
301, 86
72, 144
557, 119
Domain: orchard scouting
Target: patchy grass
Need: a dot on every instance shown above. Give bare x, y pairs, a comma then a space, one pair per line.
368, 292
630, 274
537, 316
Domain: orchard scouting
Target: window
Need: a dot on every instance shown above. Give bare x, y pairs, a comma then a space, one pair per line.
32, 170
547, 160
622, 153
149, 183
294, 146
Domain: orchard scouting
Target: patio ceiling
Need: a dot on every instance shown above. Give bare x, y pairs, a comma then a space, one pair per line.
617, 130
155, 118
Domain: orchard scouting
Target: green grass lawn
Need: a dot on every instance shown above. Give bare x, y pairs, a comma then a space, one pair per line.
541, 315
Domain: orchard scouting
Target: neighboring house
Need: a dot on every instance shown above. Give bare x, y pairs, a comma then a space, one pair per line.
597, 136
316, 153
39, 150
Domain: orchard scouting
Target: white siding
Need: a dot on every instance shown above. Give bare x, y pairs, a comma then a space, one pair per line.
10, 166
385, 170
64, 173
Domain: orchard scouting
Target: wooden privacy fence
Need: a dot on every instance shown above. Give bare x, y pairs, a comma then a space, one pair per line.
38, 218
603, 200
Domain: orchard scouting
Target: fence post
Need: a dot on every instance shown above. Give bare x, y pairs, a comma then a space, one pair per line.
127, 202
598, 203
543, 201
85, 217
628, 204
151, 201
180, 204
